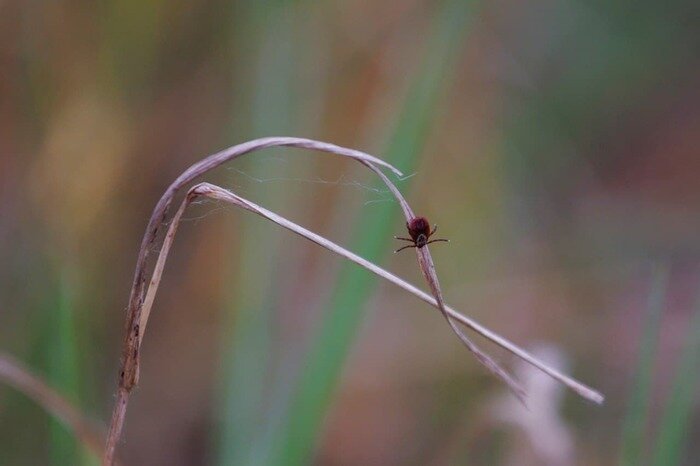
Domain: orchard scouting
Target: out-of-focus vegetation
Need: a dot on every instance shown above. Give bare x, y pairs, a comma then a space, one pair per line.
555, 143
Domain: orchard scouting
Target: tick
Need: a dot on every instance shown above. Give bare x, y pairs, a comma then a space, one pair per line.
419, 232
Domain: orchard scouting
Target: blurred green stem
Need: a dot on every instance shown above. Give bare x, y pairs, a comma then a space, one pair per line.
675, 422
301, 427
637, 418
274, 108
63, 370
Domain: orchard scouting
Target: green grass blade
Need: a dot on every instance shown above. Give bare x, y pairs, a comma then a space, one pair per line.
636, 420
273, 108
63, 371
300, 428
677, 414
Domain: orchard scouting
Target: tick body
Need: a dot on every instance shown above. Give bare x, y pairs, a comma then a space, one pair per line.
419, 232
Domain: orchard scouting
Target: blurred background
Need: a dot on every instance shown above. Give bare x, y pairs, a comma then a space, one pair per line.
554, 142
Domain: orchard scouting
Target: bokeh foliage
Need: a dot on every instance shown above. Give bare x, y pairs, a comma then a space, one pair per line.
554, 142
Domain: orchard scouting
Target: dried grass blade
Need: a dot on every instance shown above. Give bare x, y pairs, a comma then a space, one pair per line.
128, 376
135, 321
427, 266
88, 432
215, 192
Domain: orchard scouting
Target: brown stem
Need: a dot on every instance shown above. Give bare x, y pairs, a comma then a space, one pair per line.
215, 192
139, 306
427, 266
89, 433
129, 372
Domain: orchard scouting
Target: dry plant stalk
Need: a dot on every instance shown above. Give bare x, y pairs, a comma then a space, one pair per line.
140, 306
88, 432
129, 373
427, 267
425, 262
214, 192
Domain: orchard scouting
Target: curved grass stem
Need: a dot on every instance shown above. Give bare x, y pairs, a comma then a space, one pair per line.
142, 297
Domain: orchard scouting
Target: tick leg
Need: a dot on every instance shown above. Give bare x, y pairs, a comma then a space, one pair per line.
405, 247
433, 232
436, 240
403, 239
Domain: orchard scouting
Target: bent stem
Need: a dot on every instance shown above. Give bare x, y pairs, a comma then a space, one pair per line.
425, 262
140, 306
129, 370
427, 267
214, 192
88, 432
